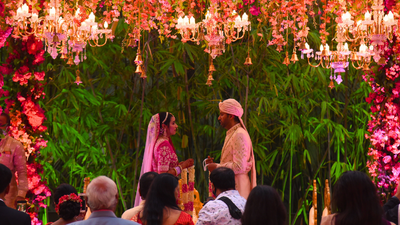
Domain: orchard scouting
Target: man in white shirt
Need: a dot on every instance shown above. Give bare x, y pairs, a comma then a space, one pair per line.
144, 185
217, 211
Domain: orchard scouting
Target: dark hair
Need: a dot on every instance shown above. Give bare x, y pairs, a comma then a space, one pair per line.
160, 196
5, 177
223, 178
355, 200
7, 117
264, 206
162, 116
145, 181
68, 209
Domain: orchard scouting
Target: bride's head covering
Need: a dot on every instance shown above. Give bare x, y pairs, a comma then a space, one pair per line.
233, 107
153, 132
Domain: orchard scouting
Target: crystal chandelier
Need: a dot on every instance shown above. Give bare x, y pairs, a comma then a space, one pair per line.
62, 32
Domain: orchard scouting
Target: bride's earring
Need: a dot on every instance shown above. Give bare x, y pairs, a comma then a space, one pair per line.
165, 132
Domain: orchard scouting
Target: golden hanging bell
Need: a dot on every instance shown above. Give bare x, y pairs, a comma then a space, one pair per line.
143, 75
55, 38
139, 69
209, 79
286, 61
366, 67
248, 62
279, 48
294, 57
138, 59
212, 67
64, 56
354, 57
331, 84
382, 61
70, 60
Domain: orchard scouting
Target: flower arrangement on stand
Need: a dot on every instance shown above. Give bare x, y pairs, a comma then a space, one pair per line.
384, 126
25, 86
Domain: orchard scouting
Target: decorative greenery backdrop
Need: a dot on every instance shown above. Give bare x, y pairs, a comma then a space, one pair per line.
301, 129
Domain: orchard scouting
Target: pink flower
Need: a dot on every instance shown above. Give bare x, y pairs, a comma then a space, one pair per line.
387, 159
39, 75
255, 11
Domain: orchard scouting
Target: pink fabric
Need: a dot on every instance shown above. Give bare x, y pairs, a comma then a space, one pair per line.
159, 153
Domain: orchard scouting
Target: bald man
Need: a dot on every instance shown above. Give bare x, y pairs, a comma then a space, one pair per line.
237, 152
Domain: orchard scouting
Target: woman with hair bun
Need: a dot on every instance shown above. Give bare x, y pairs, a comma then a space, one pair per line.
68, 204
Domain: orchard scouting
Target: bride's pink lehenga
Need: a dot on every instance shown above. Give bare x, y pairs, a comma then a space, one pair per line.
159, 153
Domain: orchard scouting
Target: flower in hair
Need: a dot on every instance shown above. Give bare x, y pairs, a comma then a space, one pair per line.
71, 197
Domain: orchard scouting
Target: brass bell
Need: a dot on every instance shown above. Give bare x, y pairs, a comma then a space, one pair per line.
138, 59
354, 57
70, 61
64, 56
279, 48
366, 67
139, 69
294, 57
212, 67
248, 62
331, 84
382, 61
143, 75
286, 61
55, 38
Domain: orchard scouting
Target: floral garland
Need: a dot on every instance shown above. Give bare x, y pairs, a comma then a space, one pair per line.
188, 189
71, 197
384, 126
24, 90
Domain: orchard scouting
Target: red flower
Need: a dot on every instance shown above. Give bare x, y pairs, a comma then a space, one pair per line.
39, 58
39, 75
34, 45
255, 11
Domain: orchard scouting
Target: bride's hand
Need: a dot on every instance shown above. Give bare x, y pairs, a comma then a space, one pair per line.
209, 160
187, 163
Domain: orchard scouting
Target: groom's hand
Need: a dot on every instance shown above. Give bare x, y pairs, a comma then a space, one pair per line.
209, 160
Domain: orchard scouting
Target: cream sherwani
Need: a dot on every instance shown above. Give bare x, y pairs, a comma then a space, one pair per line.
12, 155
237, 154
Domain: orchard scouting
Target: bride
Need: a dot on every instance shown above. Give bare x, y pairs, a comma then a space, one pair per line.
159, 154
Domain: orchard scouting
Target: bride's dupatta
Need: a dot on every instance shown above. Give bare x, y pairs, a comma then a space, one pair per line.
153, 131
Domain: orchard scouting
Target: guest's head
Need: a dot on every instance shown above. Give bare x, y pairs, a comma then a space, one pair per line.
168, 124
102, 193
355, 200
163, 193
264, 206
222, 179
5, 179
144, 184
67, 210
4, 121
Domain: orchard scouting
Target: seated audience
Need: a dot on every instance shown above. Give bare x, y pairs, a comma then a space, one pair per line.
102, 194
391, 208
160, 207
264, 206
8, 215
144, 186
355, 201
217, 211
68, 204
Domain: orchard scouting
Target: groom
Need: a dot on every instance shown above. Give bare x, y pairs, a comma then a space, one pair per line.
237, 152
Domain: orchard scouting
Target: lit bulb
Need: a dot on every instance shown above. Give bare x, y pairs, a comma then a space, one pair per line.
327, 47
105, 25
307, 46
34, 17
238, 19
91, 17
19, 11
83, 24
25, 8
180, 20
321, 48
367, 16
192, 20
77, 12
52, 11
390, 16
348, 15
371, 48
385, 18
186, 20
346, 47
245, 18
234, 12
